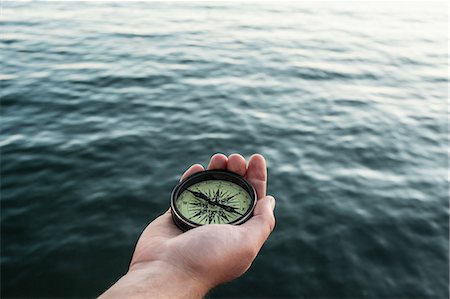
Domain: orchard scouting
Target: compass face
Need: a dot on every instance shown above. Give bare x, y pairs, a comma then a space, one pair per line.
220, 202
212, 197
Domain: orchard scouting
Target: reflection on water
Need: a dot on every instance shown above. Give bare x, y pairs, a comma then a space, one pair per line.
105, 104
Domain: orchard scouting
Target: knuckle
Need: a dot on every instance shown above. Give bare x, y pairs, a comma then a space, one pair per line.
269, 223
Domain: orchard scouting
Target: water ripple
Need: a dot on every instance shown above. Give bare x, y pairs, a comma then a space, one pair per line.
101, 115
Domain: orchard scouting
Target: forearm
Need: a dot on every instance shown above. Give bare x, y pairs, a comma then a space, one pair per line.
156, 280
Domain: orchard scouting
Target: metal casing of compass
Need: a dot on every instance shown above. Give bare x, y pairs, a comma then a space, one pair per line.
212, 197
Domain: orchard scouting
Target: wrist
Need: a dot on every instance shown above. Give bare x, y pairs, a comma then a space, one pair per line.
157, 279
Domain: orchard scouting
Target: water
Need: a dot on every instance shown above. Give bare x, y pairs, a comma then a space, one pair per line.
104, 105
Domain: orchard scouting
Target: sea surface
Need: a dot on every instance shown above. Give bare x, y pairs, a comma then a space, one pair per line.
104, 105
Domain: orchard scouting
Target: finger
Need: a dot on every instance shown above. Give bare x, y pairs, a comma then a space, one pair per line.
193, 169
259, 227
218, 161
237, 164
257, 174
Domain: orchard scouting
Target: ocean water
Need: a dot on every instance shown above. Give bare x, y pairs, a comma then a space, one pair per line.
104, 105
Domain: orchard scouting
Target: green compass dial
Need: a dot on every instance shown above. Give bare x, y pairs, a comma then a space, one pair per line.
212, 197
213, 201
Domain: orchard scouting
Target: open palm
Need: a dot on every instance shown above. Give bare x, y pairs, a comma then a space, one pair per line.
214, 253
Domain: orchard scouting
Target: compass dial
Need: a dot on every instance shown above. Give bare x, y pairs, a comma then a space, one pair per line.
220, 202
212, 197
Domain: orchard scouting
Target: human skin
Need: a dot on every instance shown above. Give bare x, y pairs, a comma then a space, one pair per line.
168, 263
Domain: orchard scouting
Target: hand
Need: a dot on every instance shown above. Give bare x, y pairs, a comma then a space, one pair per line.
168, 263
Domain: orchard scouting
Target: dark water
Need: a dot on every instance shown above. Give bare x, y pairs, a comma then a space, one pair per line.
104, 105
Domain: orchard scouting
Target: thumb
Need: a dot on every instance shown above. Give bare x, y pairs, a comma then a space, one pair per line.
262, 223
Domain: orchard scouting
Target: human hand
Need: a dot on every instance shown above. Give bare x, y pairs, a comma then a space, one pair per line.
195, 261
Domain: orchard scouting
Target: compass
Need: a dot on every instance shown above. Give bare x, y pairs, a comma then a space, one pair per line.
212, 197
